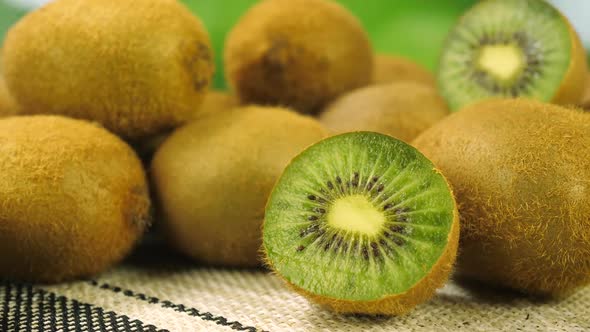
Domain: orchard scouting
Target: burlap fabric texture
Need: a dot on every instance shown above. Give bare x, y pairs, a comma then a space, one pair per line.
158, 291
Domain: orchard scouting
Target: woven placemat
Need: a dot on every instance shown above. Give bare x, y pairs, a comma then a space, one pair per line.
158, 291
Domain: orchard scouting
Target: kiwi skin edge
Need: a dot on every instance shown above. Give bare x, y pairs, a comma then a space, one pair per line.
391, 68
572, 89
397, 304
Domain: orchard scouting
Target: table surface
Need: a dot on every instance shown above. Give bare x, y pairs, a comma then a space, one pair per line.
158, 291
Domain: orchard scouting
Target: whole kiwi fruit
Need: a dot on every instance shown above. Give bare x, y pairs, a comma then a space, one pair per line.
521, 174
297, 53
512, 48
213, 177
73, 198
136, 67
392, 68
402, 109
362, 223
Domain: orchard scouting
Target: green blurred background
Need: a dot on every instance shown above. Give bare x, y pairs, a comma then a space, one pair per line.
412, 28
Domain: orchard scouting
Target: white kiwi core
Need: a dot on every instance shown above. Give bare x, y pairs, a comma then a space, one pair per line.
356, 214
503, 61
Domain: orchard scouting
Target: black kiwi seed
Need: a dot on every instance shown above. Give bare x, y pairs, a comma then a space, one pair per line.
311, 197
319, 210
387, 206
330, 185
312, 218
338, 180
300, 248
365, 252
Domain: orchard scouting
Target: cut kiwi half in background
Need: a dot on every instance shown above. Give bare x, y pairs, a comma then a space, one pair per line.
512, 48
362, 223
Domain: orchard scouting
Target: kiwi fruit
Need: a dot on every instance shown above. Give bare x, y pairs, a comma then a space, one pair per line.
512, 48
215, 101
391, 68
521, 173
213, 178
362, 223
136, 67
73, 198
8, 105
401, 109
297, 53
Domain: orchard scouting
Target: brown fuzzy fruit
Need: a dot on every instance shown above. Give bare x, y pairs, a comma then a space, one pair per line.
402, 110
213, 177
73, 199
521, 175
391, 68
297, 53
137, 67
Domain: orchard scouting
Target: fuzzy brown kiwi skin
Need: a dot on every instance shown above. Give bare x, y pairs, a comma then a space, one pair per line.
400, 109
392, 68
520, 173
297, 53
398, 304
142, 71
213, 178
74, 199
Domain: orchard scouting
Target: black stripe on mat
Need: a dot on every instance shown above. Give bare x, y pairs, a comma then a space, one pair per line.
207, 316
27, 309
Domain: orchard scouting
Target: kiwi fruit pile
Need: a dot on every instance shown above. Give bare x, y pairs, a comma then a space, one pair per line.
401, 109
362, 230
521, 174
512, 48
344, 170
73, 198
297, 53
136, 67
213, 177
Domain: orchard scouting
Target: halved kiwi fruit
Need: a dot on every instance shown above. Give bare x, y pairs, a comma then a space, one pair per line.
521, 172
136, 67
512, 48
392, 68
362, 223
73, 198
297, 53
401, 109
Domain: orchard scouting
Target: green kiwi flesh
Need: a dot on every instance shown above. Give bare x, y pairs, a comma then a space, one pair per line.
506, 48
358, 218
